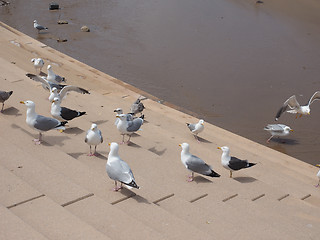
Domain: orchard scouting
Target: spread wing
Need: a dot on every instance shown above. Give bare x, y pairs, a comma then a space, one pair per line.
69, 88
47, 84
315, 96
291, 103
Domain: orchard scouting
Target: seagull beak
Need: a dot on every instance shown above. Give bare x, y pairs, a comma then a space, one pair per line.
180, 145
291, 130
22, 102
318, 165
308, 113
117, 117
218, 147
109, 144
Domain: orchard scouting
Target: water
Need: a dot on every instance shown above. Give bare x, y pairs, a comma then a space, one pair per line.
233, 63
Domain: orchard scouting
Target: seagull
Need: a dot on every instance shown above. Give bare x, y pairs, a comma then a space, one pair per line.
120, 111
118, 170
38, 26
277, 130
128, 127
233, 163
63, 113
93, 137
45, 83
37, 63
4, 96
196, 128
54, 77
318, 175
137, 107
39, 122
62, 93
195, 164
295, 107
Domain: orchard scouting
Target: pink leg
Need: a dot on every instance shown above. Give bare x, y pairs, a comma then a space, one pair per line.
90, 154
122, 139
116, 188
191, 177
318, 184
269, 139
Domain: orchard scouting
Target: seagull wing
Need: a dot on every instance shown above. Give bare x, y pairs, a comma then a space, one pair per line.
291, 103
66, 89
315, 96
38, 79
197, 165
275, 127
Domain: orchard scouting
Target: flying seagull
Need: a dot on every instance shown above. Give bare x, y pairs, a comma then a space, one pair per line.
196, 128
128, 127
137, 107
233, 163
93, 137
63, 113
195, 164
38, 26
318, 175
39, 122
38, 63
294, 107
48, 85
277, 130
4, 96
63, 92
118, 170
54, 77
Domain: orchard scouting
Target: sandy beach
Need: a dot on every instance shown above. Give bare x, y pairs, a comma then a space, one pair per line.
231, 63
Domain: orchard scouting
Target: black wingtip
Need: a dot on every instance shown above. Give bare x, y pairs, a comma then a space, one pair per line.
251, 164
132, 184
63, 123
214, 174
81, 113
10, 93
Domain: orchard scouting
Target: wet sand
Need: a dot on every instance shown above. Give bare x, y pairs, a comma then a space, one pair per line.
231, 63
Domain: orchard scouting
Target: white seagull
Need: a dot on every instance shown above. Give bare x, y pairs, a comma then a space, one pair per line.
41, 123
195, 164
196, 128
279, 130
38, 26
4, 96
38, 63
93, 137
233, 163
63, 113
128, 127
295, 108
318, 175
54, 77
118, 170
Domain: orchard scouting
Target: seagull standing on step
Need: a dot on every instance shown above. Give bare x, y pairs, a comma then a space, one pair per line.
39, 122
195, 164
54, 77
38, 63
196, 128
128, 127
63, 113
118, 170
278, 130
39, 27
295, 108
4, 96
318, 175
233, 163
93, 137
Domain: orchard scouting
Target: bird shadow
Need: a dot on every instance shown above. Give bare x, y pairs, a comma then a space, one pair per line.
159, 153
55, 140
132, 144
200, 179
203, 140
245, 179
73, 130
285, 141
140, 199
99, 122
11, 111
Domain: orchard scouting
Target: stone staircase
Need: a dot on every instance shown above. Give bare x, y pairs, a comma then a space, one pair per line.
56, 191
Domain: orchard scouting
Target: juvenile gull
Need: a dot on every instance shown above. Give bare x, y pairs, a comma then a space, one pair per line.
54, 93
233, 163
63, 113
118, 170
93, 137
128, 127
48, 85
37, 63
196, 128
318, 175
195, 164
137, 107
279, 130
39, 122
54, 77
38, 26
4, 96
295, 108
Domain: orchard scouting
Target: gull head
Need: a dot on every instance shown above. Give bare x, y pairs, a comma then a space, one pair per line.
56, 100
54, 90
201, 121
49, 67
122, 117
224, 149
184, 146
34, 21
114, 147
33, 60
93, 126
28, 103
118, 110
